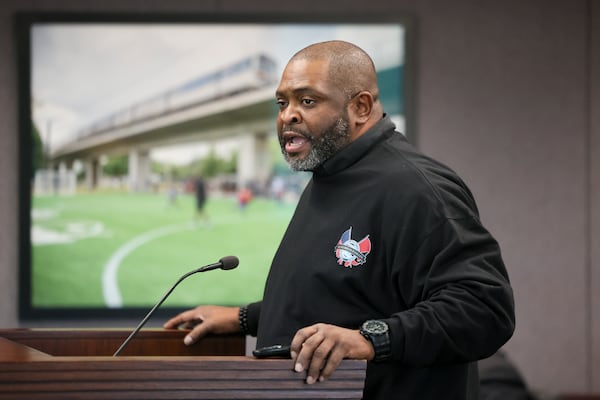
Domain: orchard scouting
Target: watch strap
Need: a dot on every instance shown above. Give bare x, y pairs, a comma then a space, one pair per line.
381, 343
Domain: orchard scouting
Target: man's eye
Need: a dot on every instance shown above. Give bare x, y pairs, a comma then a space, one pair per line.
281, 103
308, 102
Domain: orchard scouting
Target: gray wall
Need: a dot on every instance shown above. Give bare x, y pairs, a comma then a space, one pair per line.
507, 93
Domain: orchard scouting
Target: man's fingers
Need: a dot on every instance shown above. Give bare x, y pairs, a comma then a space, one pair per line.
336, 355
205, 319
173, 322
187, 320
309, 339
313, 352
319, 349
325, 360
195, 334
298, 341
179, 319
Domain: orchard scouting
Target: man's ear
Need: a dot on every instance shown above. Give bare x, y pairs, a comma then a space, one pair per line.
361, 106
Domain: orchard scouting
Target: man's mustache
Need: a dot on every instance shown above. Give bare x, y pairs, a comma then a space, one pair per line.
295, 130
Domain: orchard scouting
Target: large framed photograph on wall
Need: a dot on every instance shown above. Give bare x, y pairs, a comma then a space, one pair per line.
149, 148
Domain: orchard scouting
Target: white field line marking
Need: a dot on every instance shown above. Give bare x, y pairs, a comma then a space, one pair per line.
110, 288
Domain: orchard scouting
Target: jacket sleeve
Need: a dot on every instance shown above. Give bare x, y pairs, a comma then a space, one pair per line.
459, 303
253, 316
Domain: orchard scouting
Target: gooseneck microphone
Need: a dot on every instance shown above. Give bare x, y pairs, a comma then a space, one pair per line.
229, 262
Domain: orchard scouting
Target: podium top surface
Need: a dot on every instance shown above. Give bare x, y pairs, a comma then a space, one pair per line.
74, 364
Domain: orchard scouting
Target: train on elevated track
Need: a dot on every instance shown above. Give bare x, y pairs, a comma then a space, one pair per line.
250, 73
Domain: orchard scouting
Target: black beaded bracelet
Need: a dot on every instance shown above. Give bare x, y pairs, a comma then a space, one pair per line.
243, 317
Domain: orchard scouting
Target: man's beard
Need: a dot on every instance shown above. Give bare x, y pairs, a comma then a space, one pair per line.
332, 140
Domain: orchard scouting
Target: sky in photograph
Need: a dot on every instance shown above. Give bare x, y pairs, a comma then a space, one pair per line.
82, 72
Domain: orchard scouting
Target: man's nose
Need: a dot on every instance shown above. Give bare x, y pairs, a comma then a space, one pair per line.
289, 115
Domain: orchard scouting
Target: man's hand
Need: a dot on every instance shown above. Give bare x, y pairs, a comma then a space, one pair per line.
319, 349
206, 319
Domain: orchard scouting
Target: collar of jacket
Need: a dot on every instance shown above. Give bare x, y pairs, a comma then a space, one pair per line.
357, 149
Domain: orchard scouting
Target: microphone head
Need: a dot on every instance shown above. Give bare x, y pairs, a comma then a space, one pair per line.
229, 262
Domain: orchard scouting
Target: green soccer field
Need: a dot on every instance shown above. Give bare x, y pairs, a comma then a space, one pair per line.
92, 250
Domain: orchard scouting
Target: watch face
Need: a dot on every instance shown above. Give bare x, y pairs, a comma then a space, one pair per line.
375, 327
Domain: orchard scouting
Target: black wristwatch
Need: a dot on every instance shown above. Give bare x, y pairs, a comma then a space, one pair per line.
378, 333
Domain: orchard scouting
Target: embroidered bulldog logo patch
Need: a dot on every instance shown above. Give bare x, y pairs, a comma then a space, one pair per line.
351, 253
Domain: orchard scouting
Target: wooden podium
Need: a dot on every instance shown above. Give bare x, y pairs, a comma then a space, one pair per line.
78, 364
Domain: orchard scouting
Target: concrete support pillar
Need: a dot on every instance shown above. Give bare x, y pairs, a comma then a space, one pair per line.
66, 178
254, 161
139, 170
92, 173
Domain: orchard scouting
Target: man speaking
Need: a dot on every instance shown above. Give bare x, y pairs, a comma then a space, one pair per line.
385, 258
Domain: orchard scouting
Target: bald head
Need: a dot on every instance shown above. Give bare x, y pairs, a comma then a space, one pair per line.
327, 98
351, 70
